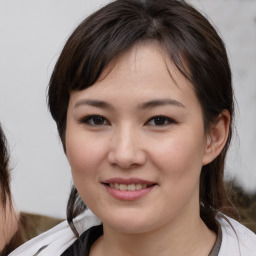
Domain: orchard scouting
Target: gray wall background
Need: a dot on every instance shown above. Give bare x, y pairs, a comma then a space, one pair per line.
32, 34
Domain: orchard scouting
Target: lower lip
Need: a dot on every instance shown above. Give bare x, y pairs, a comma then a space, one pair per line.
128, 195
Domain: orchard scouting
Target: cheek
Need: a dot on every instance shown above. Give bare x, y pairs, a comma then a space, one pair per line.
180, 156
84, 157
84, 154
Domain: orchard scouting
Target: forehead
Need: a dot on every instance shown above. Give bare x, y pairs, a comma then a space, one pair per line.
145, 70
141, 58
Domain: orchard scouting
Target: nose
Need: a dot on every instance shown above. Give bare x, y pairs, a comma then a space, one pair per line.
126, 149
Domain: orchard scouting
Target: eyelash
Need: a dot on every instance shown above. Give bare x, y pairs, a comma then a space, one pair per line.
87, 120
158, 121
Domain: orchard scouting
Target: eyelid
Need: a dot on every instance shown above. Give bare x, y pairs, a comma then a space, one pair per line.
85, 120
168, 119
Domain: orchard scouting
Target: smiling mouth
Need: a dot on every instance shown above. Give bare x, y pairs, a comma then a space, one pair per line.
129, 187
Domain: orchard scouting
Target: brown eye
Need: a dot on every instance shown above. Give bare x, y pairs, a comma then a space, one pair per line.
160, 121
95, 120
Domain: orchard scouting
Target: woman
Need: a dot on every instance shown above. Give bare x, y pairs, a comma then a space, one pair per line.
16, 228
143, 102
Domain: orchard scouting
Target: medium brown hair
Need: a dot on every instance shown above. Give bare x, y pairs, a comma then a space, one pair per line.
192, 44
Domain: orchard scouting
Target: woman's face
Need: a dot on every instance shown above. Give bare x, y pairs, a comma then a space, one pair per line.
135, 141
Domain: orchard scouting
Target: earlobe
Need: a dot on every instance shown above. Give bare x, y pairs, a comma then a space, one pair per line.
217, 137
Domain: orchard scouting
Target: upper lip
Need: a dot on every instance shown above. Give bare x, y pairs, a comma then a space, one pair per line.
127, 181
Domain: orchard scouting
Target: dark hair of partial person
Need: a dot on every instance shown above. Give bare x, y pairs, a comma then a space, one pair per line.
192, 44
4, 172
6, 197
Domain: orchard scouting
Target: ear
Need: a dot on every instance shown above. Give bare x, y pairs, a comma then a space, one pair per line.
217, 137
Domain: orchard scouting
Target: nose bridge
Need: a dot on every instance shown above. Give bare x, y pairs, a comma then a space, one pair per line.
126, 149
125, 137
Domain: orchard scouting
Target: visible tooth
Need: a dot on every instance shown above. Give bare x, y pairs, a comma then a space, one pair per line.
138, 186
131, 187
123, 187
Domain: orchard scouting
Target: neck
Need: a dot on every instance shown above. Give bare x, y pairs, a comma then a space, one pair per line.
188, 237
9, 217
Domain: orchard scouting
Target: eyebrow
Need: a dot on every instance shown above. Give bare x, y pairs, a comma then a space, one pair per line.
144, 105
94, 103
161, 102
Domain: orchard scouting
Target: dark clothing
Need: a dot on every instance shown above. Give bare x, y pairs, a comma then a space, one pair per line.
81, 247
83, 244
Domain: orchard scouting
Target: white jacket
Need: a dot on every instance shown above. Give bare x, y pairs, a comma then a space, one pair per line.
236, 241
56, 240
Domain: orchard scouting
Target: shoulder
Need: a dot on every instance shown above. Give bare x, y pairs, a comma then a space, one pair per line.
32, 225
237, 240
56, 240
